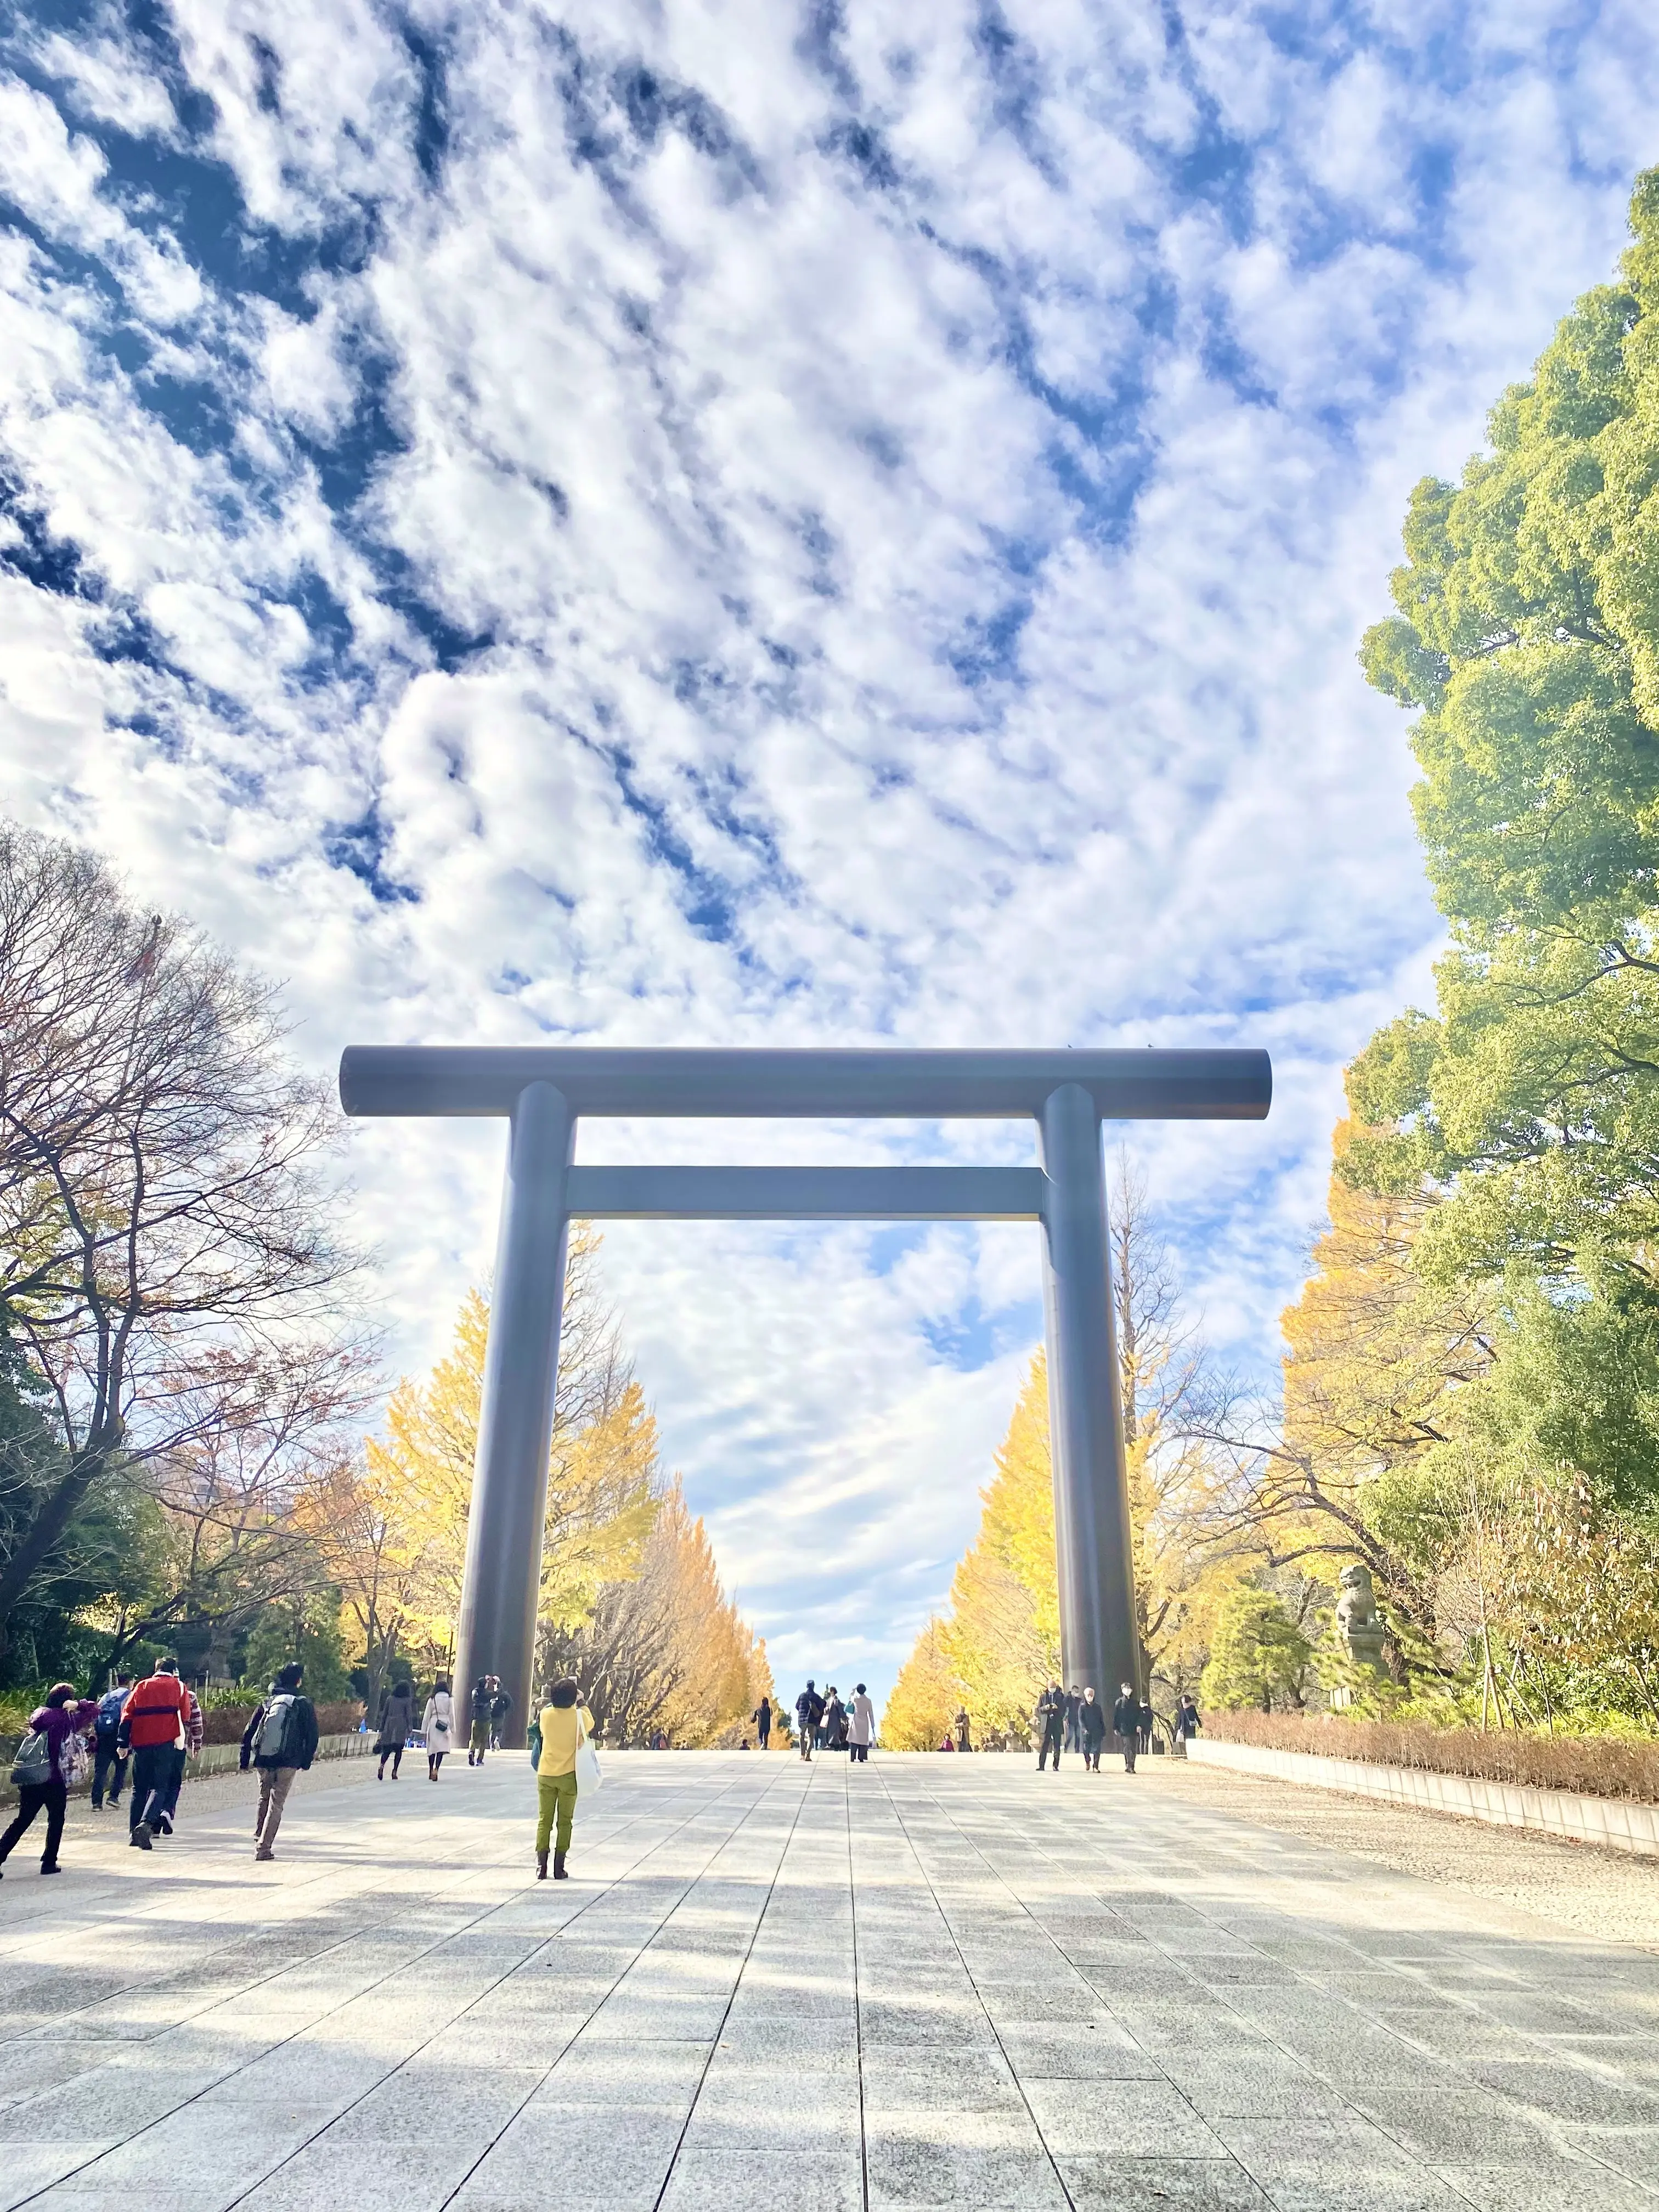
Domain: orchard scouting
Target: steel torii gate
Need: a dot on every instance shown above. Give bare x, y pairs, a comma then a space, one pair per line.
542, 1091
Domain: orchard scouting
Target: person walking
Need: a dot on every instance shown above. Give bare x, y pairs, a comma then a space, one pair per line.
1091, 1728
500, 1705
1148, 1721
1188, 1722
809, 1711
187, 1745
152, 1723
107, 1759
397, 1719
280, 1742
834, 1721
49, 1759
477, 1741
1051, 1725
1125, 1723
564, 1726
1073, 1703
762, 1717
860, 1727
438, 1726
964, 1741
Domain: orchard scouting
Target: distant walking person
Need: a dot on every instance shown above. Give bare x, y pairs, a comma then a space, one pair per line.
1051, 1725
281, 1742
500, 1705
1148, 1721
564, 1727
1073, 1705
964, 1740
47, 1762
860, 1727
397, 1719
152, 1722
1126, 1723
108, 1763
834, 1721
809, 1711
477, 1741
1188, 1722
762, 1717
438, 1726
1091, 1728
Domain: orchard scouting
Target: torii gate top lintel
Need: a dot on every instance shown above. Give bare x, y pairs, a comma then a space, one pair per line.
700, 1082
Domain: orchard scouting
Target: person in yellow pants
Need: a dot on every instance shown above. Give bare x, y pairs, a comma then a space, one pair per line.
563, 1724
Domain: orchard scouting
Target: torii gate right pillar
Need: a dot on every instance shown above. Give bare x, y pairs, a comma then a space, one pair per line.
1093, 1547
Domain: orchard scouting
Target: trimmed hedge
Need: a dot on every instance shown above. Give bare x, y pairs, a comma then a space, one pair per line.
225, 1724
1593, 1767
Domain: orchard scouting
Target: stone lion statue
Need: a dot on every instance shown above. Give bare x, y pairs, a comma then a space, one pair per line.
1358, 1624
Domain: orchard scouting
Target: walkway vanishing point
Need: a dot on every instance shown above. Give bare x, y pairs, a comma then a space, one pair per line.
926, 1982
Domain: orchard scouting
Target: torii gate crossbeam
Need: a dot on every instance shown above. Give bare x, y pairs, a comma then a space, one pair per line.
542, 1091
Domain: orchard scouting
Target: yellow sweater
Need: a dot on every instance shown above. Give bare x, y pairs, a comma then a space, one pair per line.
563, 1727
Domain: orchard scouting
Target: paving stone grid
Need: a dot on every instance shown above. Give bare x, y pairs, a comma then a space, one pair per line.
924, 1982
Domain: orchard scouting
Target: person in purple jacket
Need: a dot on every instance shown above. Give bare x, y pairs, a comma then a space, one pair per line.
63, 1716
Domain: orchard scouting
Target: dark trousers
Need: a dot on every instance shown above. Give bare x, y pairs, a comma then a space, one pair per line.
1131, 1744
1051, 1736
1091, 1751
394, 1752
175, 1782
31, 1796
107, 1763
860, 1752
766, 1739
152, 1771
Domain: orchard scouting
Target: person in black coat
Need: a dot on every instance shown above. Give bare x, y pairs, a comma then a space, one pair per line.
1051, 1725
1126, 1725
762, 1717
809, 1712
1091, 1728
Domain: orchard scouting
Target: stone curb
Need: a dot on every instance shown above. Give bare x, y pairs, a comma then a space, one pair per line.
1620, 1823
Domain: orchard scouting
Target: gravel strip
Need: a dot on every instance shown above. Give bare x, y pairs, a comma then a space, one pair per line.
1610, 1895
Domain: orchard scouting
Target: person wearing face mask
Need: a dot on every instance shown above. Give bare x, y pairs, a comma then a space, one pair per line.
1126, 1721
1091, 1728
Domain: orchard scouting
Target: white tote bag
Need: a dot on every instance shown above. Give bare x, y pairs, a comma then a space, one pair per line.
587, 1770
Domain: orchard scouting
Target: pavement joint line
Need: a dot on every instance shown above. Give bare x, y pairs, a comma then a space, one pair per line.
466, 1927
1219, 1994
944, 1917
858, 2009
699, 1810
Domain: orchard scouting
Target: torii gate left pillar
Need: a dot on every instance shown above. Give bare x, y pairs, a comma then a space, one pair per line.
541, 1091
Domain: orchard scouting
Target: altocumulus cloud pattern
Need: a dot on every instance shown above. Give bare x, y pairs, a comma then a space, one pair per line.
790, 522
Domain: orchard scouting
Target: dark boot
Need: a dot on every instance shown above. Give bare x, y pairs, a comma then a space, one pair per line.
541, 1866
559, 1873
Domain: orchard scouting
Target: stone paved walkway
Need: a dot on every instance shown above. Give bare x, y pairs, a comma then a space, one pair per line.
926, 1982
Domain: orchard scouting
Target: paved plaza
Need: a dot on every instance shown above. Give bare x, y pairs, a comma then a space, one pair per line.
925, 1982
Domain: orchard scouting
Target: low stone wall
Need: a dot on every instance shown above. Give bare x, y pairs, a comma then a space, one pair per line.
1617, 1823
222, 1758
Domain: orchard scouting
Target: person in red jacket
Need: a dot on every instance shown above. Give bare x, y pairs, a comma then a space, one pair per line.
156, 1720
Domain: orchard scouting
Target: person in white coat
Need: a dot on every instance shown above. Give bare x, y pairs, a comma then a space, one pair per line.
860, 1727
438, 1727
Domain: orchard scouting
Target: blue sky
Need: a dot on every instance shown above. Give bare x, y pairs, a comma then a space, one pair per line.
790, 523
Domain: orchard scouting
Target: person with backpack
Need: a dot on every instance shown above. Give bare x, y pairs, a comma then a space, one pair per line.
762, 1717
153, 1720
563, 1727
477, 1741
500, 1705
438, 1726
107, 1759
809, 1711
281, 1740
1126, 1720
397, 1719
49, 1759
